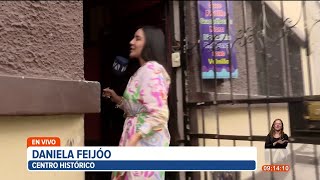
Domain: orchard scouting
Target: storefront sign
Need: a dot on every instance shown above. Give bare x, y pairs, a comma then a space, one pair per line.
216, 40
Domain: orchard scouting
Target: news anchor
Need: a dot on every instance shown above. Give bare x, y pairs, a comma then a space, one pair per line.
276, 137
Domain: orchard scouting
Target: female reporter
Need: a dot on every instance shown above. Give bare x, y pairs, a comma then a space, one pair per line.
276, 137
144, 101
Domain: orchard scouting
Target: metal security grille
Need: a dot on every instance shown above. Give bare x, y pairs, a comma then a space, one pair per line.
278, 59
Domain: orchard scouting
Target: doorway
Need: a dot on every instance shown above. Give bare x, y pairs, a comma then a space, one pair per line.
108, 28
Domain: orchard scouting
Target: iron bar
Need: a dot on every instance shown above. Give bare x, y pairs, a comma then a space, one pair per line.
213, 54
284, 52
316, 162
203, 126
269, 126
271, 157
229, 50
215, 73
250, 131
202, 111
218, 123
250, 121
264, 49
307, 45
244, 12
184, 58
246, 101
292, 162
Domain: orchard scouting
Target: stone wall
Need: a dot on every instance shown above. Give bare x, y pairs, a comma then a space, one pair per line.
41, 39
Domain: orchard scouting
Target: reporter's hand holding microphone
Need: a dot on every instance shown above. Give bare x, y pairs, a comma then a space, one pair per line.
119, 68
110, 94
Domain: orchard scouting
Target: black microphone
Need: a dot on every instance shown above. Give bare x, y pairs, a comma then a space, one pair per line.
120, 65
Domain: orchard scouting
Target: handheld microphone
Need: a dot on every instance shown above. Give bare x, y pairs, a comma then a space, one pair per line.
120, 65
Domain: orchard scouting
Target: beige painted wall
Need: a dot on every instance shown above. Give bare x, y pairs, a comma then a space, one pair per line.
14, 132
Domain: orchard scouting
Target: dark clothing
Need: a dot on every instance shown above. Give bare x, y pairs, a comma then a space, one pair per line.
270, 140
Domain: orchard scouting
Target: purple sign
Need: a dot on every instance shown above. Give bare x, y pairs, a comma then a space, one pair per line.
214, 34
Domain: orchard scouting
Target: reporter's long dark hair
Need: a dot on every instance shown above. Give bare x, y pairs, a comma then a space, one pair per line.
155, 50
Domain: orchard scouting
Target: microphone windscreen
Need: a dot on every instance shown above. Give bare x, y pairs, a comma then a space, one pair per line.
120, 65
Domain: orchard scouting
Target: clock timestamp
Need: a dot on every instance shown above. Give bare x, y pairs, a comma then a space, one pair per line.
276, 168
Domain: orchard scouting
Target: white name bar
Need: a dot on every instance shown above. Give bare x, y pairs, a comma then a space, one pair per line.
142, 153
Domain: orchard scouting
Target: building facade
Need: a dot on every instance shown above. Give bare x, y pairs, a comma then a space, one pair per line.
57, 55
43, 89
274, 44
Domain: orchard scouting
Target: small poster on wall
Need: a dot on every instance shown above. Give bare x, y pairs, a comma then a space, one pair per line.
216, 35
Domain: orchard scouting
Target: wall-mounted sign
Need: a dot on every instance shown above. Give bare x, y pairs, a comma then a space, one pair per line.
216, 34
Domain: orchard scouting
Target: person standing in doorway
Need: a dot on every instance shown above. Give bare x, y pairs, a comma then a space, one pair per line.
145, 100
276, 137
